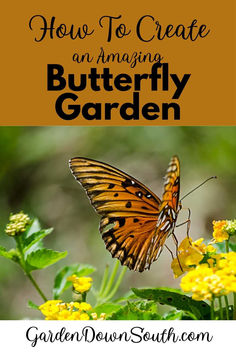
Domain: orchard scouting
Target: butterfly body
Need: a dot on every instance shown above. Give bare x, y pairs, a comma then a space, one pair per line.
135, 223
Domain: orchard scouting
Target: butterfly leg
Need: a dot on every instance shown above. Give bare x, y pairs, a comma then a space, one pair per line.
176, 245
170, 251
188, 222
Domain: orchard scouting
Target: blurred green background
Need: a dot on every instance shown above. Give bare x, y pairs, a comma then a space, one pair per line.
34, 177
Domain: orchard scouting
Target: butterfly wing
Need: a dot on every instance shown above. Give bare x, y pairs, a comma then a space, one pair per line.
169, 209
170, 196
129, 210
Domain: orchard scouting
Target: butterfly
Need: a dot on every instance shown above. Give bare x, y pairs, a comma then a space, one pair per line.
134, 223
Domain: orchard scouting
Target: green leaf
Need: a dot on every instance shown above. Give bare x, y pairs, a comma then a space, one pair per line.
135, 311
32, 228
43, 258
61, 283
232, 246
177, 299
178, 315
35, 237
32, 305
128, 296
220, 246
11, 254
4, 252
173, 315
107, 308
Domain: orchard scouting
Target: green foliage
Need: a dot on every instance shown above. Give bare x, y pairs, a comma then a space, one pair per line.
232, 246
128, 296
43, 258
175, 298
107, 308
11, 254
32, 305
221, 246
33, 233
138, 304
178, 315
61, 283
35, 238
142, 310
30, 253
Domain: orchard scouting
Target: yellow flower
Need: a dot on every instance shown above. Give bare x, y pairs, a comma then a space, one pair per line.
219, 232
95, 316
216, 279
58, 310
210, 249
17, 224
84, 317
80, 284
83, 306
203, 283
201, 247
75, 316
51, 308
226, 268
190, 254
102, 316
64, 315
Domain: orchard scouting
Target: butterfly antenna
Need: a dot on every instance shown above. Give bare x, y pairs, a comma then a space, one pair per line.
208, 179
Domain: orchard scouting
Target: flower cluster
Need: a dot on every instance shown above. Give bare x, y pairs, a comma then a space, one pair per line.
17, 224
58, 310
209, 274
219, 232
223, 229
80, 284
207, 280
230, 227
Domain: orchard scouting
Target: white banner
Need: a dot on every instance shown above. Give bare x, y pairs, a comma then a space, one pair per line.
107, 336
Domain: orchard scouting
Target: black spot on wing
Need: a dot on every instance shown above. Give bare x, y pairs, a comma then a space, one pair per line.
127, 183
139, 194
121, 221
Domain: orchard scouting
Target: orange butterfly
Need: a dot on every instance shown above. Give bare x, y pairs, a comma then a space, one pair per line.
135, 223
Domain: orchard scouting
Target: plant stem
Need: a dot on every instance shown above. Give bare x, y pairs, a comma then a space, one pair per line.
234, 313
23, 266
212, 309
36, 286
111, 280
226, 246
104, 281
19, 246
84, 295
226, 307
118, 282
221, 308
